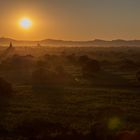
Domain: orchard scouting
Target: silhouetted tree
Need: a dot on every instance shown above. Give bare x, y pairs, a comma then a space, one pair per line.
18, 64
91, 67
128, 65
43, 78
83, 59
63, 77
72, 58
5, 88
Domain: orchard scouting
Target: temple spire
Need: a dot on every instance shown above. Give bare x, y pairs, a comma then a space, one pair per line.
11, 45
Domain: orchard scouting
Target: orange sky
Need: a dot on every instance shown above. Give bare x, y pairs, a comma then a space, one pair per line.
71, 19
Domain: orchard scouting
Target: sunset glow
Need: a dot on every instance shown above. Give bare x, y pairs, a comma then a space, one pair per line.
25, 23
70, 20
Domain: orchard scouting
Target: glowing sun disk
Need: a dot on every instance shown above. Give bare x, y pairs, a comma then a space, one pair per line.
25, 23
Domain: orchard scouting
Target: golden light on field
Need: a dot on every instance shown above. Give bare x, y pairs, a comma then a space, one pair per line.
25, 23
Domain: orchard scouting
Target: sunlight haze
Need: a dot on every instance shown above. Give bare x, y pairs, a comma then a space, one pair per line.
71, 19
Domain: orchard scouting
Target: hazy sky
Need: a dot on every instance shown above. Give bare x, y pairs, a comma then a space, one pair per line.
71, 19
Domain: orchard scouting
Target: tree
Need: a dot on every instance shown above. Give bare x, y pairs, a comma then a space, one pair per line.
83, 59
43, 78
91, 67
5, 87
128, 65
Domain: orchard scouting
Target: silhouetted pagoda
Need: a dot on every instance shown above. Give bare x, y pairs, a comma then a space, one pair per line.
11, 45
8, 52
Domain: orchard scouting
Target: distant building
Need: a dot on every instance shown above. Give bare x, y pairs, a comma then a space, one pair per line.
10, 51
10, 45
10, 48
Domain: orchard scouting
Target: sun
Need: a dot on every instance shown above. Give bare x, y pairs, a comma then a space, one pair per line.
25, 23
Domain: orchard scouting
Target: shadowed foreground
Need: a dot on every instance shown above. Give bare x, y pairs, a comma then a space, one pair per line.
70, 93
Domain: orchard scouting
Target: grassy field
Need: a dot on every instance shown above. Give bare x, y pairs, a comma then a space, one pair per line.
111, 98
78, 107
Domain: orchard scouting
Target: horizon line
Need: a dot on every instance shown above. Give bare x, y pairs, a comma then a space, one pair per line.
95, 39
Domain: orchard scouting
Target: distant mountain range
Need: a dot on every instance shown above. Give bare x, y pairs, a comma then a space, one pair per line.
53, 42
